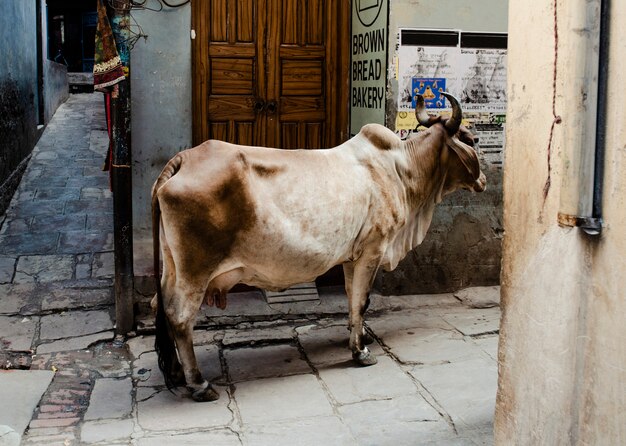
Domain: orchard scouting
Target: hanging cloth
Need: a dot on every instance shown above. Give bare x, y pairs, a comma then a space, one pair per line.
107, 68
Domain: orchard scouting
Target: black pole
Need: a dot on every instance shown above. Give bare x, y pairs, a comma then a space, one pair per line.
121, 178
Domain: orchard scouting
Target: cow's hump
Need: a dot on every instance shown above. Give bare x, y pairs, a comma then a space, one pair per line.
380, 136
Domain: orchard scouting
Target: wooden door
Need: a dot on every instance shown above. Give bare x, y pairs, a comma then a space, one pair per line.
271, 72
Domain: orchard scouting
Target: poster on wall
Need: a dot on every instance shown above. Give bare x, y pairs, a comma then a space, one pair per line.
368, 79
470, 66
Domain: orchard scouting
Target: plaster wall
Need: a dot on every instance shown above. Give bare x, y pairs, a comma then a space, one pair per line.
463, 245
160, 101
18, 89
55, 86
562, 353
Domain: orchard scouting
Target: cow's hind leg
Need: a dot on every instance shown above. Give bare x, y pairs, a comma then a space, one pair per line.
362, 275
181, 312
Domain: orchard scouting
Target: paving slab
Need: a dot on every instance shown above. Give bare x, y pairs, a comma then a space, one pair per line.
328, 345
46, 268
270, 400
351, 383
106, 431
17, 332
146, 370
254, 336
8, 436
7, 268
110, 398
314, 431
25, 386
103, 265
245, 364
140, 344
429, 345
160, 410
63, 298
480, 297
14, 297
76, 343
217, 437
489, 344
75, 323
465, 389
473, 322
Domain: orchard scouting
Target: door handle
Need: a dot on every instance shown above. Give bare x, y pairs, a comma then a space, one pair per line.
271, 107
259, 105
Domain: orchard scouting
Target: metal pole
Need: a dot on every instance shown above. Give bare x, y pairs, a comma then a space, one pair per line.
121, 175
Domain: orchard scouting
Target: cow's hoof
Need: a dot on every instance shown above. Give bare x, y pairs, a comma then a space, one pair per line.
208, 394
364, 358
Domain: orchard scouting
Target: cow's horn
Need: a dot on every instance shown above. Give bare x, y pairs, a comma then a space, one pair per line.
454, 122
420, 113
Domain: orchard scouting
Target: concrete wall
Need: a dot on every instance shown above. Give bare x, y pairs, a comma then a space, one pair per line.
55, 86
18, 89
562, 348
161, 101
463, 246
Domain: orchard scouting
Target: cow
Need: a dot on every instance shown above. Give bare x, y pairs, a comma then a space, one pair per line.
224, 214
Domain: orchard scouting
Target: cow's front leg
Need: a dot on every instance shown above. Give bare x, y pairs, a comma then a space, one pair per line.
182, 317
362, 274
348, 273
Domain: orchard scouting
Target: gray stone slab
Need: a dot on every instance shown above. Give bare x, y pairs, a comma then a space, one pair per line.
480, 297
388, 324
314, 431
47, 268
473, 322
110, 398
248, 363
8, 436
25, 387
328, 345
26, 244
147, 373
269, 400
351, 383
74, 324
257, 335
106, 431
14, 297
7, 268
465, 389
76, 242
77, 343
103, 265
17, 333
218, 437
489, 344
140, 344
60, 298
164, 411
429, 345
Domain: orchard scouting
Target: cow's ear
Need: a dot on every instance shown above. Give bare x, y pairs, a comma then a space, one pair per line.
467, 155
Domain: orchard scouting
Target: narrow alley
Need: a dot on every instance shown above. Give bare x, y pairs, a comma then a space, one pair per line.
283, 371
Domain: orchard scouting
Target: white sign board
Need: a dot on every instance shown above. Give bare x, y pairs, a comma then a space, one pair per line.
368, 71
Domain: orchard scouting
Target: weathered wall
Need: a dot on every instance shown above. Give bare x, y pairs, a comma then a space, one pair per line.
562, 355
463, 246
18, 88
161, 107
161, 99
55, 85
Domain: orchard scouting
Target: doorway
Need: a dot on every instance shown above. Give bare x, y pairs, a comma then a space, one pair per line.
271, 72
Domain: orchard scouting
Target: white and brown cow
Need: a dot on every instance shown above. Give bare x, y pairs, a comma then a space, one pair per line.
225, 214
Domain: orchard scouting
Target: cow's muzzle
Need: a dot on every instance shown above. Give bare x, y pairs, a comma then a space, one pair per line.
480, 184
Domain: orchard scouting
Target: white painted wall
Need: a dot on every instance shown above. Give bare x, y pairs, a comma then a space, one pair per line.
563, 335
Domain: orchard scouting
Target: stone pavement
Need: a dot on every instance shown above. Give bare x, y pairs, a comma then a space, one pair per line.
283, 371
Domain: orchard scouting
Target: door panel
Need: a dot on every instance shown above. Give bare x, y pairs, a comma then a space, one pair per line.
271, 72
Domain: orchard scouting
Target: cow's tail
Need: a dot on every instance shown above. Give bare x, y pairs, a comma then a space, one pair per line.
164, 343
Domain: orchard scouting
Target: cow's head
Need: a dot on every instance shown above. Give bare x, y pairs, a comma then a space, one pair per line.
463, 168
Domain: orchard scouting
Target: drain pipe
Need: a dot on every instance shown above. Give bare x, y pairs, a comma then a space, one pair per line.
584, 99
603, 80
